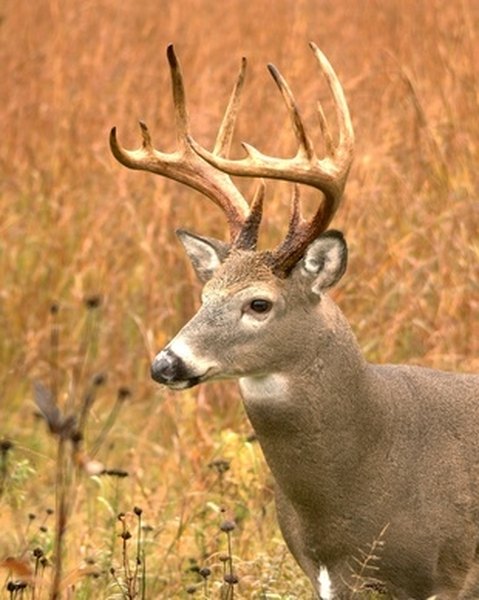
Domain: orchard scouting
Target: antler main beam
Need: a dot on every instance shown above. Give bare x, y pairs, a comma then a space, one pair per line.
185, 165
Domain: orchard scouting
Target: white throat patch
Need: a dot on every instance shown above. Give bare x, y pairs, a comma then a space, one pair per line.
324, 583
273, 387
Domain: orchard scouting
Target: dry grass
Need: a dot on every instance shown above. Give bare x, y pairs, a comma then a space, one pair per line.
76, 226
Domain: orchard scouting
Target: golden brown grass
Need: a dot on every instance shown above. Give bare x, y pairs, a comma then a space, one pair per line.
76, 226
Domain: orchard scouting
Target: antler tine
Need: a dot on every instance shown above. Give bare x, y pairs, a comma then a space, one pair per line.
248, 237
225, 133
325, 132
305, 145
345, 148
327, 174
185, 165
179, 97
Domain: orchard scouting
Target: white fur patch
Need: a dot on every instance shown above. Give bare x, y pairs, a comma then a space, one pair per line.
324, 584
264, 387
182, 350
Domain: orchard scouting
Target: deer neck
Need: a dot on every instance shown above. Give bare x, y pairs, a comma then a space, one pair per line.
316, 421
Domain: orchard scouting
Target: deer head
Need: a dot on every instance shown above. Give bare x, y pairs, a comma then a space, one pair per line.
251, 299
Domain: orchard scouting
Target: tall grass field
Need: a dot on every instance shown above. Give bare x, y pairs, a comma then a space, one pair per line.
112, 487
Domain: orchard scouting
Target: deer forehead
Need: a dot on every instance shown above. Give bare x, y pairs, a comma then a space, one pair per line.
241, 270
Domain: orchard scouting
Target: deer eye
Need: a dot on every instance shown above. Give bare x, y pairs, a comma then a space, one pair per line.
260, 305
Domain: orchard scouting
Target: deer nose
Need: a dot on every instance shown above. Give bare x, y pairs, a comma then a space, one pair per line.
167, 367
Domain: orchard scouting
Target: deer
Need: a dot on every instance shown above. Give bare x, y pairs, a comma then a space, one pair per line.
363, 455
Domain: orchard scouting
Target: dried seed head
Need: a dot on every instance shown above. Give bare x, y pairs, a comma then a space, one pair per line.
54, 308
123, 393
126, 535
205, 572
191, 589
194, 568
227, 526
76, 436
137, 510
93, 301
5, 446
37, 552
99, 379
224, 557
231, 578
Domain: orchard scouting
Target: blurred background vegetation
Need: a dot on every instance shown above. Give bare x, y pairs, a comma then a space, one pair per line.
93, 281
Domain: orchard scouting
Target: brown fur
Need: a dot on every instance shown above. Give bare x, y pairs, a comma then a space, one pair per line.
383, 456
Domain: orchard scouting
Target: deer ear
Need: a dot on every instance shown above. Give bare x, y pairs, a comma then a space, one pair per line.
206, 254
325, 260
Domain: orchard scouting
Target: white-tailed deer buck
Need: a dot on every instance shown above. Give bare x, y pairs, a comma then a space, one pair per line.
359, 452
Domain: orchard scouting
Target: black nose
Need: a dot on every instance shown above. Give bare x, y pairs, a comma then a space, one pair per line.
167, 367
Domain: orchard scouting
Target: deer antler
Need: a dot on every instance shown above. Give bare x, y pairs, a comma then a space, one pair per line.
209, 172
186, 166
327, 174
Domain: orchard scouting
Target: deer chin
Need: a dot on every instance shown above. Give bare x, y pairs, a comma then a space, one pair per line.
184, 384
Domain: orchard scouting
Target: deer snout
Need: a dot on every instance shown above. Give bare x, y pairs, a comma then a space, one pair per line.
172, 370
168, 368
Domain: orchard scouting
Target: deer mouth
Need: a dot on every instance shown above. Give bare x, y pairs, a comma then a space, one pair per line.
184, 384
